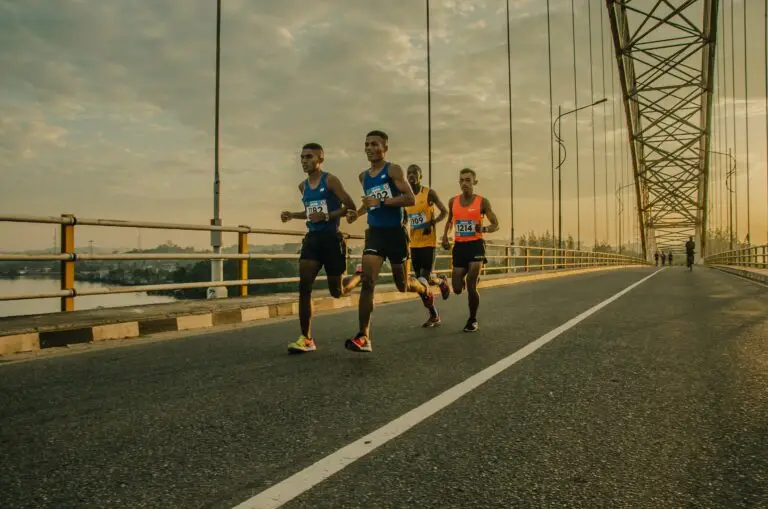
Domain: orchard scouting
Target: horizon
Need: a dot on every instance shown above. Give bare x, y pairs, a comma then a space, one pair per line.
108, 112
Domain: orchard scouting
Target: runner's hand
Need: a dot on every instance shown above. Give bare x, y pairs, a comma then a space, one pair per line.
285, 216
371, 201
351, 216
446, 243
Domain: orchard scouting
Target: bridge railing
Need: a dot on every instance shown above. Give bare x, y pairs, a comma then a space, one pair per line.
502, 257
753, 256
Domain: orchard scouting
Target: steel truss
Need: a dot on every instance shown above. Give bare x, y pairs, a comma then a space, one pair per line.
665, 51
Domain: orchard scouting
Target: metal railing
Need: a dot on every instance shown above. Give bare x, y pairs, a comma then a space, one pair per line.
501, 258
753, 256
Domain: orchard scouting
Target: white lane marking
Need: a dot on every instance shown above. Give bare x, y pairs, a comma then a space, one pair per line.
295, 485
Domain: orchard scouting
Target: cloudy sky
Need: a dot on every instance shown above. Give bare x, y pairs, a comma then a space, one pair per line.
107, 108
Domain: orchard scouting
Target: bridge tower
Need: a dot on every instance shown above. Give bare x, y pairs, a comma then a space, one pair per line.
665, 52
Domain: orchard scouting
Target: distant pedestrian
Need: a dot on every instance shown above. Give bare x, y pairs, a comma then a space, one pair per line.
656, 257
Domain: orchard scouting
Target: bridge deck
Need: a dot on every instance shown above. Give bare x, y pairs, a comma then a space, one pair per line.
660, 399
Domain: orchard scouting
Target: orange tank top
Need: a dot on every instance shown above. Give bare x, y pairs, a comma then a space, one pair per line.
465, 219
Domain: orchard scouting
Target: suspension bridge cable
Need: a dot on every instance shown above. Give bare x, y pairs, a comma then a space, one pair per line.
551, 133
429, 103
616, 198
735, 181
746, 119
591, 110
724, 107
511, 140
576, 105
765, 63
605, 130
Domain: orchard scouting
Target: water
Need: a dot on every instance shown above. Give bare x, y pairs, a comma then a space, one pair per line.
43, 285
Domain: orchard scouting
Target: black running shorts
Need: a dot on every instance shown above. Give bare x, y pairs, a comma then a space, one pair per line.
389, 243
327, 247
466, 252
422, 259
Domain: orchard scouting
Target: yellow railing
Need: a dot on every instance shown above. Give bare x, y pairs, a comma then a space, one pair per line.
514, 258
753, 256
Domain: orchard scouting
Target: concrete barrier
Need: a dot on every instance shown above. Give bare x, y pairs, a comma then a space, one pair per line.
33, 333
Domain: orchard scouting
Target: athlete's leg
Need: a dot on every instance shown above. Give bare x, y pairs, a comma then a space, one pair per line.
473, 274
457, 278
371, 266
308, 270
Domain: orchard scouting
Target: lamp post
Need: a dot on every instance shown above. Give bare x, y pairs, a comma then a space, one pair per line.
728, 185
560, 161
217, 266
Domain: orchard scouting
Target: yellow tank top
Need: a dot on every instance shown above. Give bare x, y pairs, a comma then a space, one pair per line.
419, 215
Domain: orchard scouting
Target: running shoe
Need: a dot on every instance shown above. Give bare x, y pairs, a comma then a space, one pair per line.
302, 345
445, 290
360, 343
472, 325
433, 321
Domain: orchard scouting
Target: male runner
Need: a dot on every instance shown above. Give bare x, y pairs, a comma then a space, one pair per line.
325, 202
386, 193
423, 235
466, 212
690, 249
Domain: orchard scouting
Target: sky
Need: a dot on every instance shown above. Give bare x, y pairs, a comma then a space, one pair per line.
107, 110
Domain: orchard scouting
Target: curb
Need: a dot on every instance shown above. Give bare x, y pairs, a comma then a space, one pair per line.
131, 329
744, 273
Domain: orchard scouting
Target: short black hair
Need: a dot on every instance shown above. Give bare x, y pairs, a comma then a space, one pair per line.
312, 146
418, 168
380, 134
468, 170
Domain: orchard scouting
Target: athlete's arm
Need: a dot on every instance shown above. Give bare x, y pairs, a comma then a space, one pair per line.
446, 244
433, 198
491, 215
286, 215
337, 188
406, 199
364, 207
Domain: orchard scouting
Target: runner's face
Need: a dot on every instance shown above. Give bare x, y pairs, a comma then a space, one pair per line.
467, 182
414, 178
310, 160
375, 148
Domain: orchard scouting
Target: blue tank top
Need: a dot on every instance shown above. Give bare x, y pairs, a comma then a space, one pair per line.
320, 199
382, 186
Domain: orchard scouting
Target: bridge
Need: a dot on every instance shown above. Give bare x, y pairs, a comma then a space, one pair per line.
600, 378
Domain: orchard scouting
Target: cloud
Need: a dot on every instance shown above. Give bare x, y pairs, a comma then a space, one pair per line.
107, 108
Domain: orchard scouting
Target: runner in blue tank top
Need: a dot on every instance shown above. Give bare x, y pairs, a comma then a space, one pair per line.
325, 202
386, 194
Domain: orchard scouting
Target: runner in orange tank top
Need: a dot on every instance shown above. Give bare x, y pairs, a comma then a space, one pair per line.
465, 214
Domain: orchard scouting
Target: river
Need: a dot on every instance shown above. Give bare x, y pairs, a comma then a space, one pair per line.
43, 285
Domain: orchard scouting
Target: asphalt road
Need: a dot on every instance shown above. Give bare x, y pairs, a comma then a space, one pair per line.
660, 399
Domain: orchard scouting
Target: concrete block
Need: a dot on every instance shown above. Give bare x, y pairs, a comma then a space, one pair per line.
53, 339
257, 313
157, 325
19, 343
191, 322
227, 317
115, 331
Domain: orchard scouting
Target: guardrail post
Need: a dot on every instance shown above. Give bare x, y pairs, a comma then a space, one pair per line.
509, 260
242, 248
527, 253
68, 266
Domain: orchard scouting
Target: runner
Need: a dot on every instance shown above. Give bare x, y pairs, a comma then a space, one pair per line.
466, 211
386, 193
423, 235
325, 202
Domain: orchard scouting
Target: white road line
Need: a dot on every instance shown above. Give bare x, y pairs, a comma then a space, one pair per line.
295, 485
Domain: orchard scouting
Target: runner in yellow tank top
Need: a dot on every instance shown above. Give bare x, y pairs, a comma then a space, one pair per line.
466, 211
423, 234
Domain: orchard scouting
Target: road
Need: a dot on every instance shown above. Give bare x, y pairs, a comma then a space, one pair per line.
658, 399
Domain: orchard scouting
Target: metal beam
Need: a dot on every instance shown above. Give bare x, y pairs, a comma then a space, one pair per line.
665, 55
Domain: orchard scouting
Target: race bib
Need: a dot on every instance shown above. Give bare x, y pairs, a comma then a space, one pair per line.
417, 220
315, 206
380, 192
465, 228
